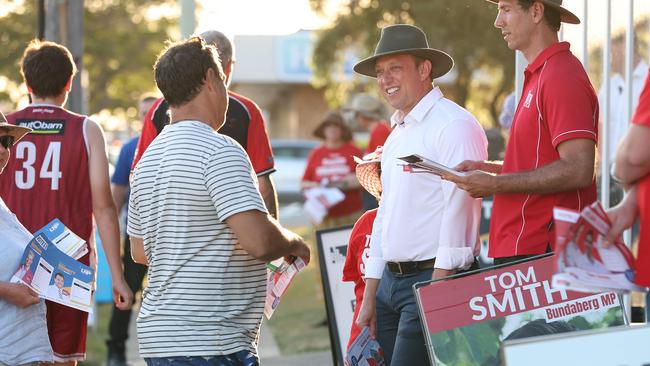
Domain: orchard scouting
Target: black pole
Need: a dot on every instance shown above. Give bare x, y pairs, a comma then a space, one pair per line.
41, 20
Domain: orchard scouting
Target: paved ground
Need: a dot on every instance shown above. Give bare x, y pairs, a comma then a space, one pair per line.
269, 352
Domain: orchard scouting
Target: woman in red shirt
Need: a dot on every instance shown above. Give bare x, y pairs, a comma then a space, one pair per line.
332, 165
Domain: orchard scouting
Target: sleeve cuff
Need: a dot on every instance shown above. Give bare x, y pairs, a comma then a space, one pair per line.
454, 258
374, 268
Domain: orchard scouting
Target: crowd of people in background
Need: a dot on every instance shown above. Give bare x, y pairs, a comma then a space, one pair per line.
203, 209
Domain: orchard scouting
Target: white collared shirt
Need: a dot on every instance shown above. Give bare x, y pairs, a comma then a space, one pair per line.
421, 216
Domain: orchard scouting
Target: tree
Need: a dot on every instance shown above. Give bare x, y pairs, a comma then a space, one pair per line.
121, 43
463, 28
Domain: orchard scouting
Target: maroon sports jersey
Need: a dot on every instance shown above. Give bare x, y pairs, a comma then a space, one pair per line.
47, 175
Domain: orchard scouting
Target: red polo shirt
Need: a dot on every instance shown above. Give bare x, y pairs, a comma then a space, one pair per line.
558, 103
378, 136
642, 117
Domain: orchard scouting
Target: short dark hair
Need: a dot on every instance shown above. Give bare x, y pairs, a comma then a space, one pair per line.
47, 67
59, 274
181, 69
551, 16
223, 44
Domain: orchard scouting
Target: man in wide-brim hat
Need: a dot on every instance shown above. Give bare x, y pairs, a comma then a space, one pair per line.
425, 228
550, 156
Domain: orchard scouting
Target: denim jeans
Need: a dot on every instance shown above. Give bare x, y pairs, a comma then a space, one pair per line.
241, 358
398, 321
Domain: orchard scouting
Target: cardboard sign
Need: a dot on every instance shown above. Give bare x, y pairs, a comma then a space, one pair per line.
339, 295
614, 346
466, 319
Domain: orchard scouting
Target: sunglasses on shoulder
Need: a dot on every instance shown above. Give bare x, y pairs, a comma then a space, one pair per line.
7, 141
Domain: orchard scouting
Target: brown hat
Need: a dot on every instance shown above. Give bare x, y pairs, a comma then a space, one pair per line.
334, 118
12, 130
405, 38
565, 15
367, 105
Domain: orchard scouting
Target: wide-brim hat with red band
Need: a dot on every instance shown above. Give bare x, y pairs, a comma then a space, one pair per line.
12, 130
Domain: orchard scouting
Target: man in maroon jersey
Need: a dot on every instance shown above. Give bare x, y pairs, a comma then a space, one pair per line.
244, 123
61, 171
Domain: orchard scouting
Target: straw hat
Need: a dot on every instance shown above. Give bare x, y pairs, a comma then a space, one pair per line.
12, 130
368, 172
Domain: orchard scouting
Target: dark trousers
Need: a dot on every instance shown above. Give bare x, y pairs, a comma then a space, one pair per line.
514, 258
118, 327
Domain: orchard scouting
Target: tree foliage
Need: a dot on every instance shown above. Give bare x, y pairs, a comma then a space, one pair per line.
463, 28
121, 42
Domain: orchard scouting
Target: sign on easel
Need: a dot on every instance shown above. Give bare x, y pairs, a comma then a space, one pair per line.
339, 295
466, 319
622, 345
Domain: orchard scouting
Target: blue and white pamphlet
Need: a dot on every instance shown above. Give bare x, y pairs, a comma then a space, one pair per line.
49, 268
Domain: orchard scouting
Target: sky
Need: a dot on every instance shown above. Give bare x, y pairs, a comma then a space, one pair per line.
268, 17
287, 16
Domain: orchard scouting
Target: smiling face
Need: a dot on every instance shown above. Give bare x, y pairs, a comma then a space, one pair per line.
402, 81
58, 280
516, 24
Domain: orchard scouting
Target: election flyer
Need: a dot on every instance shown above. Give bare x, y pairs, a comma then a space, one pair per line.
480, 311
365, 351
280, 274
582, 261
53, 274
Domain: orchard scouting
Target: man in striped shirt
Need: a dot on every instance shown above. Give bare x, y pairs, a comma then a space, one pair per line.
197, 219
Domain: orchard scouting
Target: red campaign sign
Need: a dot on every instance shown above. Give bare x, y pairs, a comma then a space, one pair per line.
494, 294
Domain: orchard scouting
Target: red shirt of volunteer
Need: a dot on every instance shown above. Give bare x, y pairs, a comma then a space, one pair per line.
60, 170
633, 169
332, 164
550, 156
244, 123
355, 263
357, 254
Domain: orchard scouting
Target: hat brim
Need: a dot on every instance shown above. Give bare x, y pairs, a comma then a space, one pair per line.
441, 62
565, 15
18, 132
367, 173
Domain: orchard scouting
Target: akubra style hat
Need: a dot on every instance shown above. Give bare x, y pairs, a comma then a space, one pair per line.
565, 15
405, 38
12, 130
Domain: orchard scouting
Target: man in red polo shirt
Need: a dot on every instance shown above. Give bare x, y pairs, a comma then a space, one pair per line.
244, 123
550, 156
632, 168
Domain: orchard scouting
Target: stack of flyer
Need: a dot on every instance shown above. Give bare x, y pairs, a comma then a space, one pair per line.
280, 275
582, 262
49, 267
365, 351
420, 164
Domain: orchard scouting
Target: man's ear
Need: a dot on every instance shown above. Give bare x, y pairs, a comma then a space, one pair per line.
537, 11
424, 69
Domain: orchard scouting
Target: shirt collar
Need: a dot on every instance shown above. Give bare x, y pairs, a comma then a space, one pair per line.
545, 55
419, 112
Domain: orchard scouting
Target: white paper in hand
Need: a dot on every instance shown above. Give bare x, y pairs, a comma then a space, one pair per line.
421, 164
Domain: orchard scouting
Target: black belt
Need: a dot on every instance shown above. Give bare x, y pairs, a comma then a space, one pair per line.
410, 267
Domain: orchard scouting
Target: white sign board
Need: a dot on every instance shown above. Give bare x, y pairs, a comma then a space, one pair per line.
339, 295
620, 346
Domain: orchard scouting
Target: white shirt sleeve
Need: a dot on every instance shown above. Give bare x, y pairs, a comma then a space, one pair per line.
459, 241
